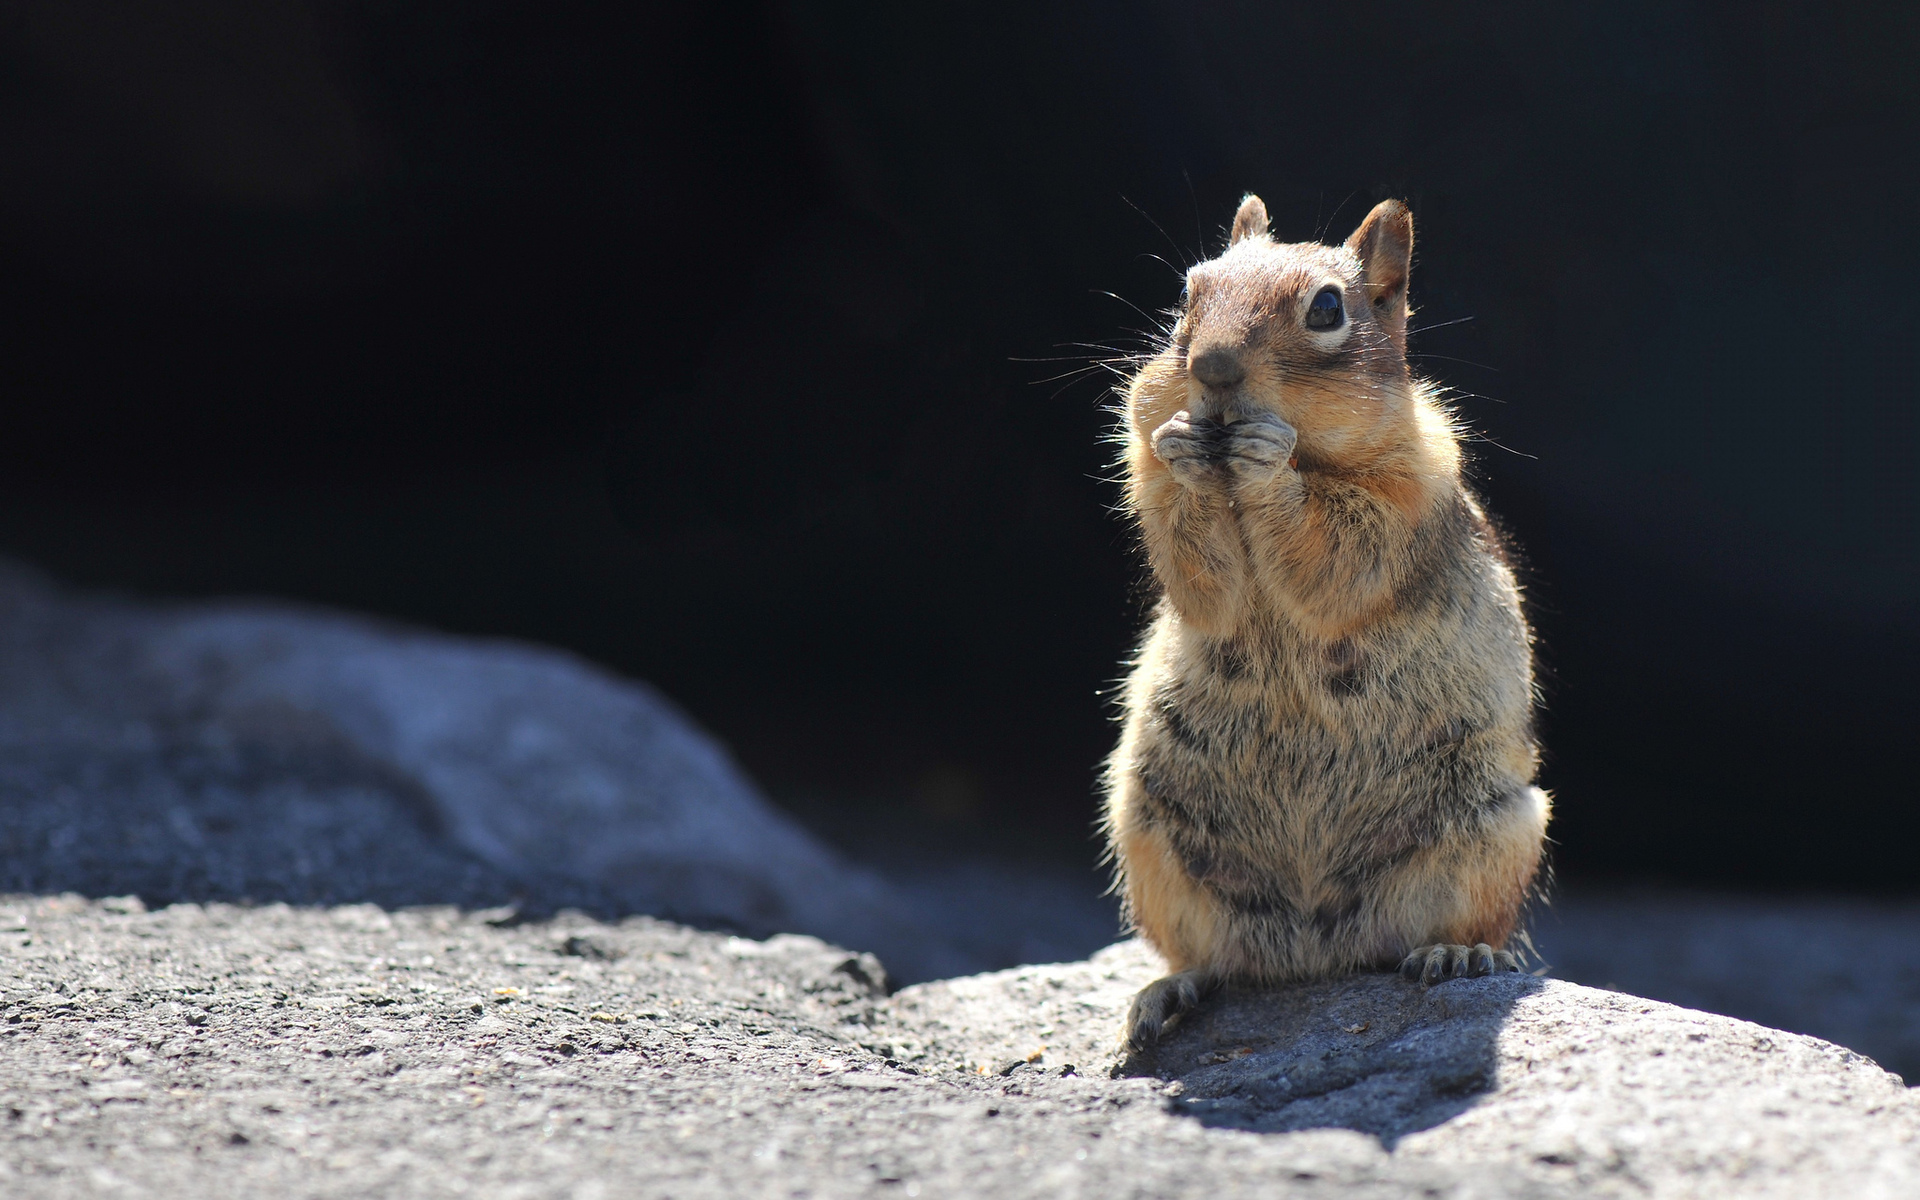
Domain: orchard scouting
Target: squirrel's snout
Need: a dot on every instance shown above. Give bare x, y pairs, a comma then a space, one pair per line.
1218, 367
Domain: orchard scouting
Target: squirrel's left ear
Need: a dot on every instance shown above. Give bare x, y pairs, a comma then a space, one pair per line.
1250, 221
1384, 243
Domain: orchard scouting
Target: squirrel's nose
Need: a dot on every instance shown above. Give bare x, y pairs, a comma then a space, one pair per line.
1218, 366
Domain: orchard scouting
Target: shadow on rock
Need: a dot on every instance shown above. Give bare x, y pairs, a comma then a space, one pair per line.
1373, 1053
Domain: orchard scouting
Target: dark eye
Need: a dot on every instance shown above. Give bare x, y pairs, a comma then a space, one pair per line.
1326, 311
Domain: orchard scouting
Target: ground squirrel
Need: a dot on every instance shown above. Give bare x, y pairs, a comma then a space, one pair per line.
1328, 757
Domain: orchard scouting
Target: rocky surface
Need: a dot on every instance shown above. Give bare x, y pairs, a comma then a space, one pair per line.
1841, 968
255, 751
470, 1037
261, 752
356, 1052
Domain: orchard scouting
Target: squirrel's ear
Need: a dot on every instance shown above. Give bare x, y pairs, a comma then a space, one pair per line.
1250, 221
1384, 243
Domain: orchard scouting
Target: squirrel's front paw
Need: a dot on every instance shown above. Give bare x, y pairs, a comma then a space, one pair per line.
1434, 964
1190, 446
1253, 450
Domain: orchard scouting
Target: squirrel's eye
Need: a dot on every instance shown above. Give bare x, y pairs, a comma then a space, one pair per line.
1326, 311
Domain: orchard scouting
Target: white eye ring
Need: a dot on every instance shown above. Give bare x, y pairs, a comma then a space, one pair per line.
1325, 315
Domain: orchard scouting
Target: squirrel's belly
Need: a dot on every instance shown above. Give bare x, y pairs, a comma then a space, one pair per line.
1297, 828
1252, 805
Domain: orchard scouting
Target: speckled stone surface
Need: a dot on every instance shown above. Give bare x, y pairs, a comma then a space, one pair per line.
357, 1052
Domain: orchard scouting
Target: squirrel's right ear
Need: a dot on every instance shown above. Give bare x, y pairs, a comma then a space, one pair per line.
1384, 243
1250, 221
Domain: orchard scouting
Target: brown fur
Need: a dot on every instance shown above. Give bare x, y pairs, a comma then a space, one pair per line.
1328, 758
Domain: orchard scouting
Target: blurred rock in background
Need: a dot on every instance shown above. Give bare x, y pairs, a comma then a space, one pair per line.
260, 752
1847, 970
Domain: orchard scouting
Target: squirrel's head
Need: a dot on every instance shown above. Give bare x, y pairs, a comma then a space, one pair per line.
1312, 332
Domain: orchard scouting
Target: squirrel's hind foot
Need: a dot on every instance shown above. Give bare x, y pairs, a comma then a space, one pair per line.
1159, 1006
1436, 964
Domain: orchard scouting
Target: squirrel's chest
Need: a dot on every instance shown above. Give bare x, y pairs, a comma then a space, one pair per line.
1233, 692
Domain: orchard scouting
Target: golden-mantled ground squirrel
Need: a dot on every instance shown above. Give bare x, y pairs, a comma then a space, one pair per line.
1328, 757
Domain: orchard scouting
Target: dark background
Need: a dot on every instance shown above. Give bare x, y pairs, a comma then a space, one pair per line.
715, 344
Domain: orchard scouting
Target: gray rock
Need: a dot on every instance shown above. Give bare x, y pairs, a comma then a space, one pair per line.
1846, 969
264, 752
1564, 1085
357, 1052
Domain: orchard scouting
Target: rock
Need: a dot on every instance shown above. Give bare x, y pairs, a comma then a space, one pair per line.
1563, 1086
1846, 969
270, 753
428, 1052
261, 752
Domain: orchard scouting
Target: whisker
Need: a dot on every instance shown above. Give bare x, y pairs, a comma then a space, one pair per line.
1449, 358
1440, 325
1163, 233
1177, 272
1477, 436
1451, 394
1076, 373
1320, 235
1199, 236
1056, 393
1122, 299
